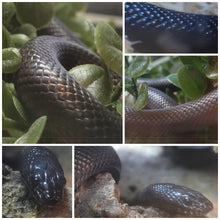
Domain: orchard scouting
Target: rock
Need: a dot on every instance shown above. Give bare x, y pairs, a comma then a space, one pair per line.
100, 197
16, 203
141, 212
62, 210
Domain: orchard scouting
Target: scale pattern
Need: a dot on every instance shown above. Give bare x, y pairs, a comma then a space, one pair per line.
189, 118
166, 196
158, 99
91, 160
173, 199
161, 30
42, 174
45, 88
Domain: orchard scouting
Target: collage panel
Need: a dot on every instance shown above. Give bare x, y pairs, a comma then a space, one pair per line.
68, 68
171, 99
133, 181
37, 181
62, 72
177, 27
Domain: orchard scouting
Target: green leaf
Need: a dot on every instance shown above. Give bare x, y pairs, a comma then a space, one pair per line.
173, 78
210, 68
192, 60
8, 11
15, 133
139, 66
19, 108
142, 97
27, 29
68, 10
19, 39
6, 38
130, 86
119, 107
8, 123
33, 135
8, 140
109, 46
11, 60
7, 101
192, 81
83, 29
95, 79
39, 14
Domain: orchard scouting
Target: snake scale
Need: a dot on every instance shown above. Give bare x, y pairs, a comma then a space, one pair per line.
155, 29
45, 88
74, 116
42, 174
194, 121
174, 199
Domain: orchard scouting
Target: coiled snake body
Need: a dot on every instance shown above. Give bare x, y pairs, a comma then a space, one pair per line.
156, 29
45, 88
74, 116
190, 122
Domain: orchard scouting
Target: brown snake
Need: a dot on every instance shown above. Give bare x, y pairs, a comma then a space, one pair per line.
181, 123
46, 88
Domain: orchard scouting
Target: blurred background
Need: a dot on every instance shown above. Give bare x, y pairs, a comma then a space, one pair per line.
105, 11
195, 167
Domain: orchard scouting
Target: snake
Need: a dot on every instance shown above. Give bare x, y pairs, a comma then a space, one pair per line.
171, 198
45, 87
163, 120
158, 30
42, 174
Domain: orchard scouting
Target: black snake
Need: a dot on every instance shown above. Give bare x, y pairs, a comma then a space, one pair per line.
155, 29
45, 87
174, 199
74, 115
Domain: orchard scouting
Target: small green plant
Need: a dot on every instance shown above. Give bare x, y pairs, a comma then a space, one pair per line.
192, 74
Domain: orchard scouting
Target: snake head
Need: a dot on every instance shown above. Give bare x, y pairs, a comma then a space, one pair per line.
47, 184
42, 174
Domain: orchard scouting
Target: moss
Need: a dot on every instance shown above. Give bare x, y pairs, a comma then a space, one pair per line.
15, 201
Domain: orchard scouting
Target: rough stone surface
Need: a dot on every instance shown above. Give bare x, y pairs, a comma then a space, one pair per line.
100, 197
141, 212
16, 203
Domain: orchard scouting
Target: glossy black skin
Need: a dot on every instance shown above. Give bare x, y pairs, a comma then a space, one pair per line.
45, 87
92, 160
42, 174
158, 30
175, 200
